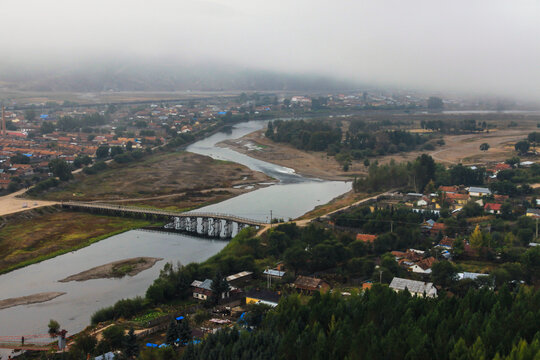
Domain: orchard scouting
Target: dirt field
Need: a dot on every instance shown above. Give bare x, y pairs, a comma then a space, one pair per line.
31, 237
177, 181
30, 299
10, 204
115, 269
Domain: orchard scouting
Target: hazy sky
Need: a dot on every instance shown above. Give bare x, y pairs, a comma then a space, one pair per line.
474, 46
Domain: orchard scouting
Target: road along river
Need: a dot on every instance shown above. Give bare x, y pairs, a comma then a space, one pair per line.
293, 196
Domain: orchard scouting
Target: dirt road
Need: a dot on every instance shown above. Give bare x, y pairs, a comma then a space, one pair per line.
10, 204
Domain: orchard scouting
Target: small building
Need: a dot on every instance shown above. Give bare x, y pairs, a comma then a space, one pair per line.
533, 213
493, 208
366, 237
274, 274
262, 297
239, 278
469, 275
310, 284
202, 290
417, 288
448, 189
423, 266
461, 199
479, 191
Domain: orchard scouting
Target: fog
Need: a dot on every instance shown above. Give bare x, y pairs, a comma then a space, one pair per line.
488, 47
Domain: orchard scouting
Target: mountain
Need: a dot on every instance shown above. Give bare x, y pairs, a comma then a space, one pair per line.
157, 76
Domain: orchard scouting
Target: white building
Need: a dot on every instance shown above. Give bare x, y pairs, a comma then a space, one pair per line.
418, 288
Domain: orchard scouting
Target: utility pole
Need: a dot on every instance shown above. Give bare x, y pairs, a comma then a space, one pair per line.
271, 221
380, 276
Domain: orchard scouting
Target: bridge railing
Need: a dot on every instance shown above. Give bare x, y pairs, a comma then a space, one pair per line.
162, 212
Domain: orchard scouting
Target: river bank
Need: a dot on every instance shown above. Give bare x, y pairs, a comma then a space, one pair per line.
40, 234
310, 164
30, 299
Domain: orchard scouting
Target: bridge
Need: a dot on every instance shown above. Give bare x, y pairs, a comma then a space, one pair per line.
199, 223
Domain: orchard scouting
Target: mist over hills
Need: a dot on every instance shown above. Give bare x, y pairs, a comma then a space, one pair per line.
148, 76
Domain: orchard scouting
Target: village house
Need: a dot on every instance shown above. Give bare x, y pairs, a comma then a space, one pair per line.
417, 288
274, 274
202, 290
492, 208
366, 237
533, 213
479, 191
310, 284
239, 278
262, 297
423, 266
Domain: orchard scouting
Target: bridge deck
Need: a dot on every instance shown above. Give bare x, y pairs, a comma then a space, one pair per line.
133, 209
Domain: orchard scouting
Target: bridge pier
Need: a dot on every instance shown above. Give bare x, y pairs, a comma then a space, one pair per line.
205, 225
180, 223
216, 227
192, 224
228, 228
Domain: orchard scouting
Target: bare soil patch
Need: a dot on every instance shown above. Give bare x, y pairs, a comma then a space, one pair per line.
30, 299
115, 269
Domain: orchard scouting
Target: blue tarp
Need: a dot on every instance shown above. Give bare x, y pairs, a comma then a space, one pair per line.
151, 345
29, 155
222, 113
44, 116
180, 318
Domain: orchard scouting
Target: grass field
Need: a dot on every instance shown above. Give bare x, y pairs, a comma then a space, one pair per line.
24, 241
164, 180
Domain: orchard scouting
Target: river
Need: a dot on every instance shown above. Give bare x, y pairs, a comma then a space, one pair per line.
293, 196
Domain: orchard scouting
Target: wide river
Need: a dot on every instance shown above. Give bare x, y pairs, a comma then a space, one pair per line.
291, 197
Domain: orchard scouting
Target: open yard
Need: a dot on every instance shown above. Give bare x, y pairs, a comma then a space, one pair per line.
31, 237
179, 180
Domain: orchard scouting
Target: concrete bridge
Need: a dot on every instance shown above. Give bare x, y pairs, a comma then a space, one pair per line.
199, 223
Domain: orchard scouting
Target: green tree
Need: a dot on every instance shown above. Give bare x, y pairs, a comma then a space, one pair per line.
522, 147
423, 171
84, 344
47, 127
296, 258
460, 351
184, 331
61, 169
443, 273
484, 146
114, 337
131, 348
102, 152
172, 333
478, 351
435, 103
54, 328
29, 114
219, 287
